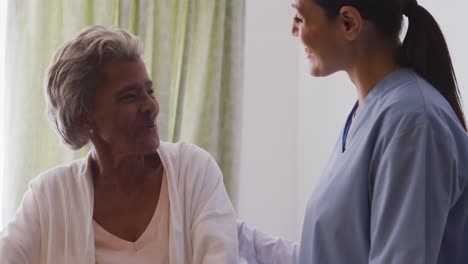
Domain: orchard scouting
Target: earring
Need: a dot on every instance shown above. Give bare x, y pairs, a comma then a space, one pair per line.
91, 131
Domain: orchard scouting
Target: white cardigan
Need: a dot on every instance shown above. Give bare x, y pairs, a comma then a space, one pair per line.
54, 222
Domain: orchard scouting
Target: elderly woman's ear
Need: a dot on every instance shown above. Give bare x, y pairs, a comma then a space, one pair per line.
84, 124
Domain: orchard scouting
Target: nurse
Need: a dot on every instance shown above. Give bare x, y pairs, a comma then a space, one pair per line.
395, 189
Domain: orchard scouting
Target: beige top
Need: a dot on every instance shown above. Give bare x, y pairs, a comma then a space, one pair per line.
151, 247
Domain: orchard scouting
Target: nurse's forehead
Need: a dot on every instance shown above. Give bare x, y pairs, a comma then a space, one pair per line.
298, 5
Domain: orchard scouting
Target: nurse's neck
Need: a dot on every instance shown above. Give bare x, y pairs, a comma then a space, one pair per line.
373, 61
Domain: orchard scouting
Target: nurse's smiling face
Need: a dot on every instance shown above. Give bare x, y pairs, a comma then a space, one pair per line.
322, 38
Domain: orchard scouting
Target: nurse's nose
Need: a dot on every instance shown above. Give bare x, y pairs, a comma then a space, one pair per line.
294, 29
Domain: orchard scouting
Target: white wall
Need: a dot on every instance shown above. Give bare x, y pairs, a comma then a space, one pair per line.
269, 151
291, 120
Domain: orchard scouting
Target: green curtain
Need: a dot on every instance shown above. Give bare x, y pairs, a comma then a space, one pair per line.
193, 52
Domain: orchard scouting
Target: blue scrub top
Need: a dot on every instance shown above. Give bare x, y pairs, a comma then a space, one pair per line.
398, 192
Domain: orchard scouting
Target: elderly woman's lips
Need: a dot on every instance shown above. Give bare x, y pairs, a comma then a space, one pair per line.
149, 125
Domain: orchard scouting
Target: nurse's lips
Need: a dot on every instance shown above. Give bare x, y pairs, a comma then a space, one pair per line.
309, 56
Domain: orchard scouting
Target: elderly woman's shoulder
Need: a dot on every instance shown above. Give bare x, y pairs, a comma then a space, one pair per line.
65, 175
190, 165
183, 151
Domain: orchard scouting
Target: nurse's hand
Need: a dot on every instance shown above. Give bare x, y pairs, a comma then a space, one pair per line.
256, 247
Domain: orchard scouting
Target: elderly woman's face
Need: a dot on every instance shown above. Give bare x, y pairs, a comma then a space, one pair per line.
125, 109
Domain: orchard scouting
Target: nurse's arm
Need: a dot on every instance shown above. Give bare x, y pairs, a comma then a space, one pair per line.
257, 247
411, 191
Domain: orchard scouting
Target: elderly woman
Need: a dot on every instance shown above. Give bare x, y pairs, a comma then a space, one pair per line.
133, 198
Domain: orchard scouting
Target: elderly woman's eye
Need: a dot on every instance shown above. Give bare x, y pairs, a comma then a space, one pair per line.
127, 97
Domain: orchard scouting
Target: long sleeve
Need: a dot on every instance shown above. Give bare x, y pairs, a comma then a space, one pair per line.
256, 247
414, 184
20, 240
214, 236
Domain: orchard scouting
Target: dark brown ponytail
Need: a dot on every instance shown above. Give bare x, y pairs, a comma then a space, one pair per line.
424, 49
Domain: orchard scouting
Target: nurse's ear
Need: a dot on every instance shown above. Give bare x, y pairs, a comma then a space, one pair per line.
351, 22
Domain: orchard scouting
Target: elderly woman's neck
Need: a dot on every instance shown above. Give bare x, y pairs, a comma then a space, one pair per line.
125, 173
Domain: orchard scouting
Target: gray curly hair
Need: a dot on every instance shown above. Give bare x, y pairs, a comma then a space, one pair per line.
74, 75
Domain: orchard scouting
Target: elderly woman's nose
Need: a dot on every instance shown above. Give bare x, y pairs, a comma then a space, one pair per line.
150, 105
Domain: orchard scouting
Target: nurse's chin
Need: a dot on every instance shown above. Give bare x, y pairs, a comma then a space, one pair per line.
317, 73
320, 72
315, 70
